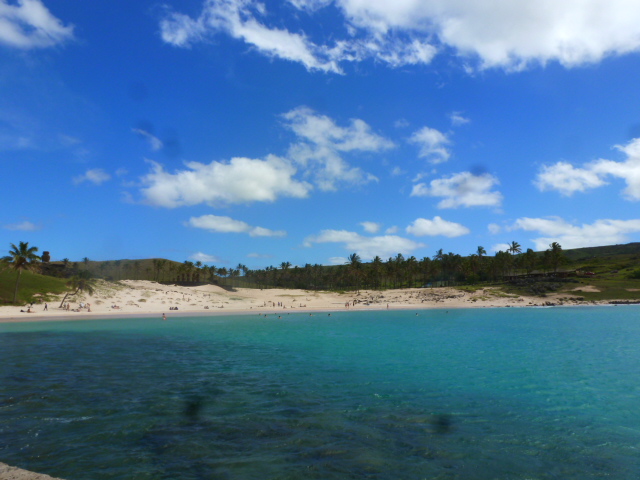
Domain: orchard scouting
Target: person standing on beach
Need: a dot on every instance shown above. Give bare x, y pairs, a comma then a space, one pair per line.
46, 307
164, 317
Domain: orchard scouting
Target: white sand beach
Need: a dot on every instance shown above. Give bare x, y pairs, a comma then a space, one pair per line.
146, 298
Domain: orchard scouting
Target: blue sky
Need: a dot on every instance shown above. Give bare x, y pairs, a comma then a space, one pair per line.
237, 131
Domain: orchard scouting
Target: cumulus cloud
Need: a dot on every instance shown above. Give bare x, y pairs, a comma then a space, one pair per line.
204, 258
28, 24
24, 226
425, 227
370, 227
567, 179
502, 33
366, 247
154, 142
96, 176
462, 189
241, 180
219, 224
569, 235
432, 144
509, 34
321, 145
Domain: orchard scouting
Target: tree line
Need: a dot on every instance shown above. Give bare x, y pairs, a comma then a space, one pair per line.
442, 269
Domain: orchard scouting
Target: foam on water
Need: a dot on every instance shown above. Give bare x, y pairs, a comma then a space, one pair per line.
464, 394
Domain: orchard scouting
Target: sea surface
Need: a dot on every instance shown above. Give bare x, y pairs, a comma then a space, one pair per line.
486, 394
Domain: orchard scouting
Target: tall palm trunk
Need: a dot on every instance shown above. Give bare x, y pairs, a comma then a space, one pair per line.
15, 292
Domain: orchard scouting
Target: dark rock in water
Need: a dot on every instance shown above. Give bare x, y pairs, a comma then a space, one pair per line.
13, 473
442, 424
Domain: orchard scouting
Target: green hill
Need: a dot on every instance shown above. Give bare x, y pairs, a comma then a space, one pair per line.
33, 287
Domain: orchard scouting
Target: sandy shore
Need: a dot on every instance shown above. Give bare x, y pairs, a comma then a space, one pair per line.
145, 298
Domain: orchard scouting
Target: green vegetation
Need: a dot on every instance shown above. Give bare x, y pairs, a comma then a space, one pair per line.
33, 287
613, 270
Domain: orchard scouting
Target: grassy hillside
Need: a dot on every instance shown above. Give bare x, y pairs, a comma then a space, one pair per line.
33, 287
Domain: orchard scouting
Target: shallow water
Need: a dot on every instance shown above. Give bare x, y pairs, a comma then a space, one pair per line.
464, 394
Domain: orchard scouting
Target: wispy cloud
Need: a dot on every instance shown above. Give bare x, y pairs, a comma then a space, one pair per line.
154, 142
204, 258
370, 227
96, 176
498, 34
220, 224
24, 226
321, 145
28, 24
458, 119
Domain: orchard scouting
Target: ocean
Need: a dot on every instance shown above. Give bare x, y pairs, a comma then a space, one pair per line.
486, 394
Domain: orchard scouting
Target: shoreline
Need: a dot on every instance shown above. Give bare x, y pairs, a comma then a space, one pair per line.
146, 299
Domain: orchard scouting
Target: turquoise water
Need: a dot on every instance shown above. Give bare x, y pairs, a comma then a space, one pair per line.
468, 394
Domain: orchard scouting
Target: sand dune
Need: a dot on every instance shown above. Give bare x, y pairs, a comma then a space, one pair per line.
141, 297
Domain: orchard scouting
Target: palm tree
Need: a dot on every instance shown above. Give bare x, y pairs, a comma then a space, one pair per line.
82, 282
514, 248
354, 265
556, 257
21, 258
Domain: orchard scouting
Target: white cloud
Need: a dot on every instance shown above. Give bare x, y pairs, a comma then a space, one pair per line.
241, 180
338, 260
500, 247
154, 142
458, 119
494, 228
245, 20
432, 144
556, 229
259, 255
462, 189
424, 227
370, 227
567, 179
29, 24
366, 247
96, 176
321, 144
391, 230
219, 224
204, 258
502, 33
239, 19
24, 226
507, 33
